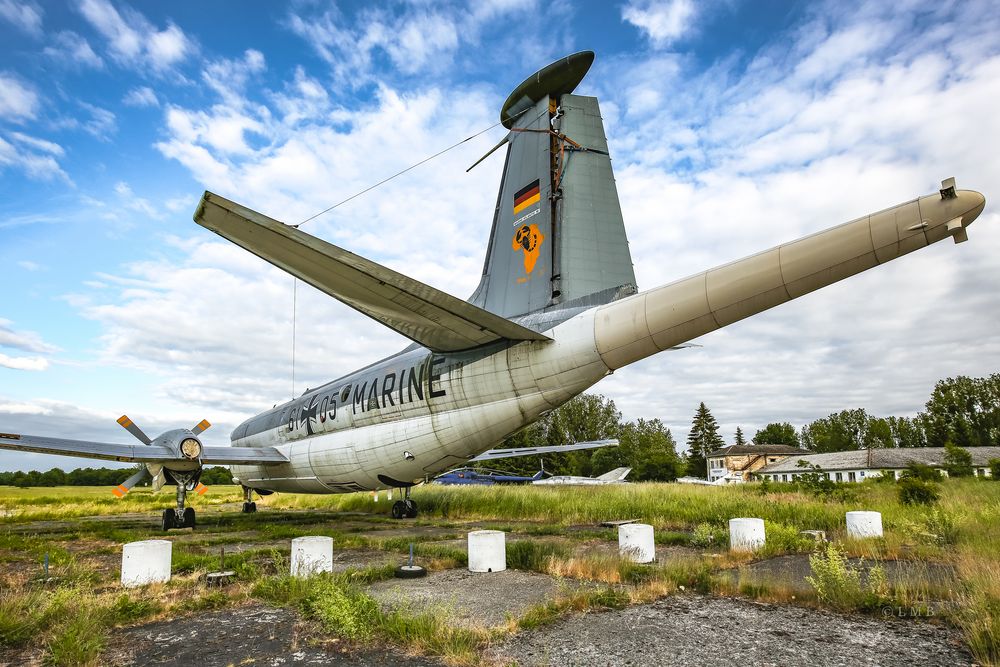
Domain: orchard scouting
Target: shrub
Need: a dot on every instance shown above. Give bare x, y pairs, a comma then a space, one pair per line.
957, 461
705, 535
995, 469
914, 491
922, 472
844, 586
815, 481
343, 610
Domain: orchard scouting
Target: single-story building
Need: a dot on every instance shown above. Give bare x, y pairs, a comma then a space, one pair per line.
861, 464
736, 462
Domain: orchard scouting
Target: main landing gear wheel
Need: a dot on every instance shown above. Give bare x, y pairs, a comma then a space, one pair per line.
410, 508
250, 507
188, 518
398, 509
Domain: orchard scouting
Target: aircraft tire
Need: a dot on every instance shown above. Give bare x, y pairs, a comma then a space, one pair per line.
168, 519
410, 509
249, 508
189, 517
398, 510
409, 572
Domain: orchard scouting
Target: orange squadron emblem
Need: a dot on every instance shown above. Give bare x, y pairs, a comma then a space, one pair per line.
529, 239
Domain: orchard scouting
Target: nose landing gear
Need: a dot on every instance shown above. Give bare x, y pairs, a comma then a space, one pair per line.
181, 517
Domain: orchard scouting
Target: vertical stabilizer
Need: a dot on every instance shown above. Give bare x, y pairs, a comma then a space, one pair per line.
558, 237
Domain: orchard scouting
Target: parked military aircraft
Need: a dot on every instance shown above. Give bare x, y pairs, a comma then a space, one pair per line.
616, 476
466, 476
556, 311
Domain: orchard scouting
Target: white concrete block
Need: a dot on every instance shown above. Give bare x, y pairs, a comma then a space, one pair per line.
864, 524
635, 542
746, 534
146, 562
487, 551
311, 555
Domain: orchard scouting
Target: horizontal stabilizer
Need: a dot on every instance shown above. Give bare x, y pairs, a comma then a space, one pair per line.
435, 319
534, 451
110, 451
616, 475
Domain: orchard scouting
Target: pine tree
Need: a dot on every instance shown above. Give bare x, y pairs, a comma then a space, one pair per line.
740, 441
703, 438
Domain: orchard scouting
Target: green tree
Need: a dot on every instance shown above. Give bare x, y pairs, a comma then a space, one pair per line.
648, 447
957, 461
777, 434
847, 430
586, 417
907, 432
739, 441
965, 411
702, 438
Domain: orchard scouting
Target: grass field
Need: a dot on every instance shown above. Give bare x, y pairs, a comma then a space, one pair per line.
81, 529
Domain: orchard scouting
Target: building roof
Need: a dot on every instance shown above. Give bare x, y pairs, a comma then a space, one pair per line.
892, 458
742, 450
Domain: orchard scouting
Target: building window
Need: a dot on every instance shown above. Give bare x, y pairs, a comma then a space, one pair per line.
840, 477
784, 478
851, 477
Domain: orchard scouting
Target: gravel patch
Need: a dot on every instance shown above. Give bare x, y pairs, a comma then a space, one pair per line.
471, 598
695, 630
257, 635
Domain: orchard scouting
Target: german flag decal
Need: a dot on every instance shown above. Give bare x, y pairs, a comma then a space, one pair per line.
526, 196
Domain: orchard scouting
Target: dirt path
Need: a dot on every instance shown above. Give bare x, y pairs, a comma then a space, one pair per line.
696, 630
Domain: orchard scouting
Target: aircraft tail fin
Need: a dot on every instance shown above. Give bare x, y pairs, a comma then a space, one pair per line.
558, 238
616, 475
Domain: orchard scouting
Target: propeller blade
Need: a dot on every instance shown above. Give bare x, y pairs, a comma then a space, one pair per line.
122, 489
200, 489
130, 426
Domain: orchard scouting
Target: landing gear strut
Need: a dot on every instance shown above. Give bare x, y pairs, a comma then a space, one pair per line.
405, 508
181, 517
249, 506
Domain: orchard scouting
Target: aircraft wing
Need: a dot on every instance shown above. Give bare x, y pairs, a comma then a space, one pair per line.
532, 451
134, 453
435, 319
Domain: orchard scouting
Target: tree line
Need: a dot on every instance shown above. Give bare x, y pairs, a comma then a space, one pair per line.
961, 412
97, 477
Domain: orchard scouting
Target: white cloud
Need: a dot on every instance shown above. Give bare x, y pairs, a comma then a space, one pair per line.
26, 341
28, 265
143, 96
18, 101
33, 156
70, 49
24, 363
26, 15
38, 144
662, 21
133, 41
417, 38
101, 123
135, 203
228, 77
23, 341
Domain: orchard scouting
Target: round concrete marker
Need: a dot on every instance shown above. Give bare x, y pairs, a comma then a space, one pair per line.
864, 524
146, 562
746, 534
311, 555
635, 542
487, 551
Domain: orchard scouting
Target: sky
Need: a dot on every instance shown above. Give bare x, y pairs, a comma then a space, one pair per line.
733, 126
